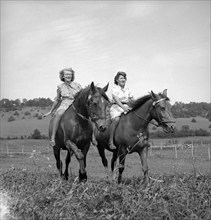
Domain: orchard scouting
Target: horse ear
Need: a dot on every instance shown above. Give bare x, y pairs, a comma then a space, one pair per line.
153, 95
105, 88
92, 86
165, 92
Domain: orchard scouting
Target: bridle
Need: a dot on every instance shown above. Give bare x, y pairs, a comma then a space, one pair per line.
160, 122
79, 114
93, 117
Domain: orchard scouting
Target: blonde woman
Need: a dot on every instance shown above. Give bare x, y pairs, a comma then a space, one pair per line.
65, 96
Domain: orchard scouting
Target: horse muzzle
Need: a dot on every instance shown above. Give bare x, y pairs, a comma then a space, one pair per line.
169, 127
101, 124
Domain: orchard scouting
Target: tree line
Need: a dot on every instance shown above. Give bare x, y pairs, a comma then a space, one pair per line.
12, 105
179, 109
192, 109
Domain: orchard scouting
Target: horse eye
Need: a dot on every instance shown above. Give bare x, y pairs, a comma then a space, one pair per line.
163, 108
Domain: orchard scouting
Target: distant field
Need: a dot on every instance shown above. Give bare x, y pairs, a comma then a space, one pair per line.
26, 124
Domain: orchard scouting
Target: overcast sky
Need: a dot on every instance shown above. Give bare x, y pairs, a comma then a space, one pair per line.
159, 44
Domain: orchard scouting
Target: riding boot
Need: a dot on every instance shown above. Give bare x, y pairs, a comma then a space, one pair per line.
112, 129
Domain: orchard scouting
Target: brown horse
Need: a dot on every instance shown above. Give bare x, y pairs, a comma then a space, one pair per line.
74, 133
131, 134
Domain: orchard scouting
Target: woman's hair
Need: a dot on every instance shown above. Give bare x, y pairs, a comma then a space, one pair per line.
120, 73
61, 74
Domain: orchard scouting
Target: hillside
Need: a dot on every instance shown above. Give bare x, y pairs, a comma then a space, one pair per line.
24, 122
27, 119
179, 109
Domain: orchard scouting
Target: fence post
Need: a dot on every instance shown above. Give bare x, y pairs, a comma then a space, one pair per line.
161, 149
7, 149
150, 150
175, 147
192, 151
22, 149
209, 156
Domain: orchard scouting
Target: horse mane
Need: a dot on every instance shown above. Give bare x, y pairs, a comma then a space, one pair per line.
82, 94
139, 102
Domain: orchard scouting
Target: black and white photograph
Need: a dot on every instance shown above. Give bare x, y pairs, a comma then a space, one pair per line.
105, 110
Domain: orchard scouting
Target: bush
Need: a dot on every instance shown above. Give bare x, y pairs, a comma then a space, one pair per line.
36, 134
39, 117
27, 113
11, 118
16, 113
193, 120
36, 115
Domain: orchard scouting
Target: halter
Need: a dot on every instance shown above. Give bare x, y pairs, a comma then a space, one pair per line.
85, 118
160, 121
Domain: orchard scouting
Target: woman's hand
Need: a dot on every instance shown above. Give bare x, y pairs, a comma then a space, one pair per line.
126, 109
48, 113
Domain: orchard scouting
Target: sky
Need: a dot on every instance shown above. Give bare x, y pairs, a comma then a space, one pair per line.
159, 44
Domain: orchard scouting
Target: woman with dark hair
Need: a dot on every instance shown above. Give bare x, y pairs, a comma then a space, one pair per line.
65, 96
121, 96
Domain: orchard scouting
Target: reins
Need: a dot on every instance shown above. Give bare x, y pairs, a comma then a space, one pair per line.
157, 125
79, 114
160, 121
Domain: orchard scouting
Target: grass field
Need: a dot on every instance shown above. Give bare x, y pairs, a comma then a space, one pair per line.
38, 155
30, 187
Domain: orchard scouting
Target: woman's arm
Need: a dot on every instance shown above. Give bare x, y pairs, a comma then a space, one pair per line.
55, 104
118, 102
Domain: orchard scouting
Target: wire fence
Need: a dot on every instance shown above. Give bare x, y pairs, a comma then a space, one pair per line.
182, 151
176, 151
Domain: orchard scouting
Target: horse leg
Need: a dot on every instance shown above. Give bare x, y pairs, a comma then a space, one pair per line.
143, 156
121, 165
56, 152
101, 151
121, 168
67, 162
113, 165
80, 157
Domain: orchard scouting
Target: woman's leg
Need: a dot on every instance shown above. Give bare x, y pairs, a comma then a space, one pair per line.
94, 141
112, 129
56, 120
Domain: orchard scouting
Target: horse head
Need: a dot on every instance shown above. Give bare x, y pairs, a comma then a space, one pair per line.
97, 106
162, 111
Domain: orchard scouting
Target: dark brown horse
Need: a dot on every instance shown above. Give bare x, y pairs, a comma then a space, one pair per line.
74, 133
131, 134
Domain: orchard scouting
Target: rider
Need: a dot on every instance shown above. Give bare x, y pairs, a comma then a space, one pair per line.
121, 97
65, 96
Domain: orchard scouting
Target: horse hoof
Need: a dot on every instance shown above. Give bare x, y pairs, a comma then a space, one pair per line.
65, 177
82, 177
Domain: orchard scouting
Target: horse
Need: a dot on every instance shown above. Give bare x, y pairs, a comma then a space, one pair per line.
131, 134
75, 129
